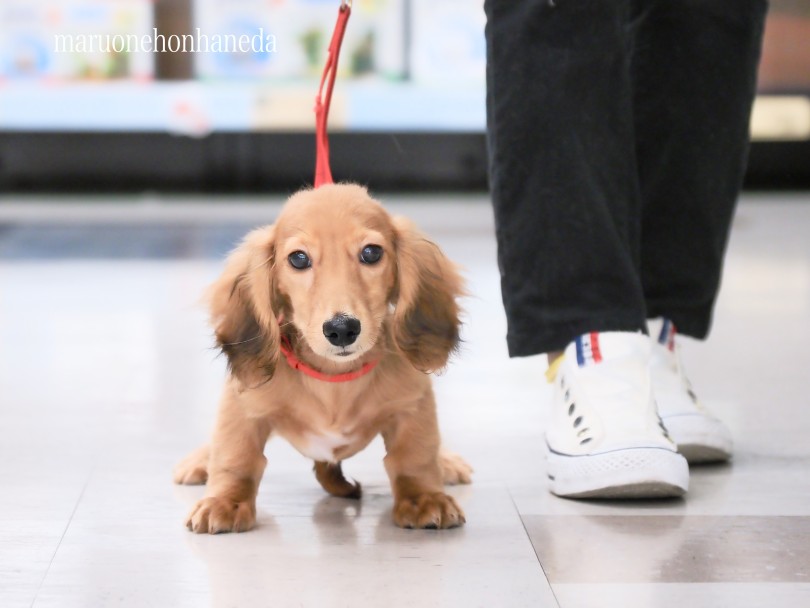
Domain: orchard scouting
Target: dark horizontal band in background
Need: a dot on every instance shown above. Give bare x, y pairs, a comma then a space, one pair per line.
284, 162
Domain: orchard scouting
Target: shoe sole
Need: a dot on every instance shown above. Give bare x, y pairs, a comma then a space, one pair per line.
700, 453
631, 473
700, 439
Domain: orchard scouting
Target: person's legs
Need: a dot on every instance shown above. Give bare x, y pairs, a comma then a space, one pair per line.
694, 75
563, 170
618, 134
568, 217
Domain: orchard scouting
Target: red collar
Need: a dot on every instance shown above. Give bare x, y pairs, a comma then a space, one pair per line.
296, 363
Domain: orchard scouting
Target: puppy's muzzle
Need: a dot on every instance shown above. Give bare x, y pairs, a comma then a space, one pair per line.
341, 330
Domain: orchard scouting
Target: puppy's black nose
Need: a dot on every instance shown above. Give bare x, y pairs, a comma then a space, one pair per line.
341, 330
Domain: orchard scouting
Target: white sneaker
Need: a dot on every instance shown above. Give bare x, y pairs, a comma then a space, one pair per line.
605, 439
700, 437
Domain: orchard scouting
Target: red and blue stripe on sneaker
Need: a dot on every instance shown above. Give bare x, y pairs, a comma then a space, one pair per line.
588, 351
667, 336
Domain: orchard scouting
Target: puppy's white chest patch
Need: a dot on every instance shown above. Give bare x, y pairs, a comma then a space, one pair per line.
322, 447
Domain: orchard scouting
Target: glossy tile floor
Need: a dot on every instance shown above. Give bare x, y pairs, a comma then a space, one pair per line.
107, 378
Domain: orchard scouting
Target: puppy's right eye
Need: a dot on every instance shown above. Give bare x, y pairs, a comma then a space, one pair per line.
299, 260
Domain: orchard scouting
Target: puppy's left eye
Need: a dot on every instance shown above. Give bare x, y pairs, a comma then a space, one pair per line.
371, 254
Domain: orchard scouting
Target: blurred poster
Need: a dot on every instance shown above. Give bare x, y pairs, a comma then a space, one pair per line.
447, 42
374, 47
78, 40
785, 65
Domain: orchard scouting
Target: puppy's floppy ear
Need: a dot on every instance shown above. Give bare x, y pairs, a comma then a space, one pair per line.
426, 317
241, 306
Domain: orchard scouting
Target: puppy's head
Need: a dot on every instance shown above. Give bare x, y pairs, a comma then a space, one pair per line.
346, 276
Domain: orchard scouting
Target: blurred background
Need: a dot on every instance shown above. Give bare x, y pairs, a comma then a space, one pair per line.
127, 177
408, 111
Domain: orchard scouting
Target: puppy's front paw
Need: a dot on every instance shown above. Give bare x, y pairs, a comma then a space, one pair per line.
455, 469
434, 511
214, 515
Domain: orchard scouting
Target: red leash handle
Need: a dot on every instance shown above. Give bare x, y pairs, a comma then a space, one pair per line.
323, 174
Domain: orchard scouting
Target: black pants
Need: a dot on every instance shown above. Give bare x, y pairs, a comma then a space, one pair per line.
618, 137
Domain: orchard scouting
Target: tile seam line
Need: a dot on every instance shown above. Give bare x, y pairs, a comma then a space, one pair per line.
61, 538
529, 538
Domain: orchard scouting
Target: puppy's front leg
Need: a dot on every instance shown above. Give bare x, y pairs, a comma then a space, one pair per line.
235, 469
412, 464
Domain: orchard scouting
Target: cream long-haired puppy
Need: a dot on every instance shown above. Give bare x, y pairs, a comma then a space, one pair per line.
331, 320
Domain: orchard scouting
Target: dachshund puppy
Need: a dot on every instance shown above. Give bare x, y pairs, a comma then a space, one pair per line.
331, 320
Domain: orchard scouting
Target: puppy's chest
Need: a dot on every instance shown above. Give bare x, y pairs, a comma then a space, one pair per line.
328, 435
325, 446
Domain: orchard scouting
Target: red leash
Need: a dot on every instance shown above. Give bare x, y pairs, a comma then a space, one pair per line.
323, 174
